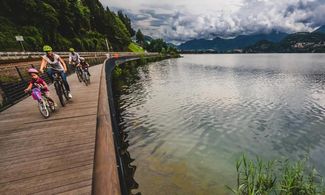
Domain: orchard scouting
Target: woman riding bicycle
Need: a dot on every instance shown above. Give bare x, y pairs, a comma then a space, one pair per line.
54, 62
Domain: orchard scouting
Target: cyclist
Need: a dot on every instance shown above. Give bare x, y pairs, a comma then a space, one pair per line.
74, 60
55, 62
84, 65
38, 82
74, 57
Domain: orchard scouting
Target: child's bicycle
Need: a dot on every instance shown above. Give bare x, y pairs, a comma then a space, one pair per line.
45, 105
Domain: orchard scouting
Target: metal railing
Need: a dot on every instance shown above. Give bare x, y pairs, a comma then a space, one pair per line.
15, 55
13, 92
31, 55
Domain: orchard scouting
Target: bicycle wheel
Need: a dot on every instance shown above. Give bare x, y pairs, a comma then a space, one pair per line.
51, 105
43, 109
79, 75
59, 92
64, 91
84, 74
88, 78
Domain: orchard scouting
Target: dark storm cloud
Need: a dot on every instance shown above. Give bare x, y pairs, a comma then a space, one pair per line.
253, 16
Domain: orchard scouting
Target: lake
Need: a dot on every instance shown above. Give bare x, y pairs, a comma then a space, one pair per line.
189, 119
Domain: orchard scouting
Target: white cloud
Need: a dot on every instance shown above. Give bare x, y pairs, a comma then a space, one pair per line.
187, 19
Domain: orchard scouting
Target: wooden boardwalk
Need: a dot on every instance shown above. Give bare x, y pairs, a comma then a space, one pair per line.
55, 155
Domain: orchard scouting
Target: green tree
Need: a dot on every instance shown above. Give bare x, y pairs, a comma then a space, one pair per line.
157, 45
140, 37
83, 24
127, 22
122, 34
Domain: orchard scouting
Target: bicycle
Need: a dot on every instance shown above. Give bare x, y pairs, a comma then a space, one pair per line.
45, 105
85, 76
60, 88
78, 71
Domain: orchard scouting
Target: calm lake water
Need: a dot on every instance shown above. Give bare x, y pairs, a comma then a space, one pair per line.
189, 119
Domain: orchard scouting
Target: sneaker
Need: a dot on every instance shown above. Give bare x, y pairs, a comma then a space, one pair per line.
69, 95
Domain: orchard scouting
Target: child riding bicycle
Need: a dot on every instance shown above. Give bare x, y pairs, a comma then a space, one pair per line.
84, 65
38, 82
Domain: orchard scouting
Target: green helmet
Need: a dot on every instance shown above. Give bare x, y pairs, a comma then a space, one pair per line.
47, 48
71, 50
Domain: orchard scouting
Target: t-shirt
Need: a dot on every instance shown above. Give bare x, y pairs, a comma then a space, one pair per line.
55, 64
74, 57
39, 83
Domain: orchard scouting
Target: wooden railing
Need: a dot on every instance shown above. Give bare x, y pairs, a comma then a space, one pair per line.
109, 175
105, 174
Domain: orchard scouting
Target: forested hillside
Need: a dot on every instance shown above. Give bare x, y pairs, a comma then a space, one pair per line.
293, 43
82, 24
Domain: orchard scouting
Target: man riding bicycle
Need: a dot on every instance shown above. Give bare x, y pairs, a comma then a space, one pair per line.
74, 57
54, 62
74, 60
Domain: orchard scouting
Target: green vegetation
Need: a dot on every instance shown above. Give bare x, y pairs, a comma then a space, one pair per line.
128, 70
140, 38
82, 24
274, 177
133, 47
127, 22
159, 45
294, 43
155, 45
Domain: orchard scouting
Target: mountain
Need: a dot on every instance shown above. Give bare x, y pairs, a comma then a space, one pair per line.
171, 45
302, 42
321, 29
222, 45
147, 38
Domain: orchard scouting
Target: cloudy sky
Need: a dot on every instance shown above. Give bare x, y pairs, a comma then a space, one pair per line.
181, 20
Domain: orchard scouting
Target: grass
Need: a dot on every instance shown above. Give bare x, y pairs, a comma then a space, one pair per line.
258, 177
133, 47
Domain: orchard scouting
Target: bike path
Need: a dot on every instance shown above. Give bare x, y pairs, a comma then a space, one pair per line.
54, 155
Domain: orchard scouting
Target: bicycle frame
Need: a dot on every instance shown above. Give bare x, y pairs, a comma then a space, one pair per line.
60, 87
85, 76
43, 104
37, 94
56, 76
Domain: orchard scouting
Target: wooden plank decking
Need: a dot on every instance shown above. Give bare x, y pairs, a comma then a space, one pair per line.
55, 155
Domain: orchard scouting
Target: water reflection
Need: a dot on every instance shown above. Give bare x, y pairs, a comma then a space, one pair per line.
189, 119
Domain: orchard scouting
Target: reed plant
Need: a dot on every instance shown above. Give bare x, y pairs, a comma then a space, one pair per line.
260, 177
